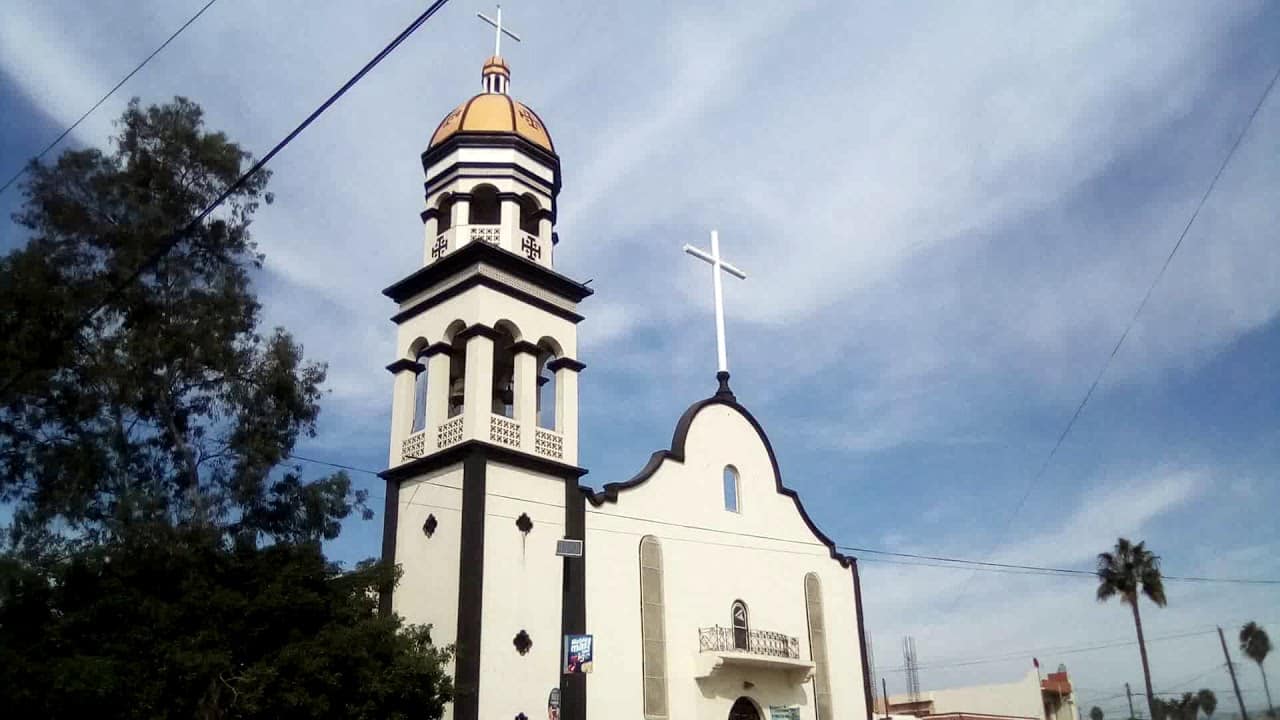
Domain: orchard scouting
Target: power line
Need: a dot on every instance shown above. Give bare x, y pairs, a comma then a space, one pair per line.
1128, 327
176, 237
103, 99
937, 561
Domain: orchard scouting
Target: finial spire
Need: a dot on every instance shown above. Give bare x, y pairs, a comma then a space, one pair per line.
498, 31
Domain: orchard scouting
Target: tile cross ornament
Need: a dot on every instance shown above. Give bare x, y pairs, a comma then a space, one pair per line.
498, 31
717, 264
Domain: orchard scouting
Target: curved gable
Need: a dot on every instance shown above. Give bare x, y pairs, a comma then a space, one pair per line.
726, 398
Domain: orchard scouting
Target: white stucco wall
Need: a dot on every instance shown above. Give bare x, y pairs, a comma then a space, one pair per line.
710, 560
522, 591
428, 589
1020, 698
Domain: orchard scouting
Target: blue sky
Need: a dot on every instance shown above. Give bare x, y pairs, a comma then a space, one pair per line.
948, 213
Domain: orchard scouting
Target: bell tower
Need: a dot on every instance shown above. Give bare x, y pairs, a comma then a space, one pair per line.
483, 475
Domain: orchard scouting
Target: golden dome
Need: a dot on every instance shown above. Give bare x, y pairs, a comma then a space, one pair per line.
494, 112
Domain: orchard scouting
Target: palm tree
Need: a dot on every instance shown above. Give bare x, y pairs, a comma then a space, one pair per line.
1208, 702
1127, 571
1185, 708
1095, 713
1255, 643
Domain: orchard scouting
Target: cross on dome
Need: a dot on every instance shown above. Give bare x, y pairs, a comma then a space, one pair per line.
498, 31
718, 264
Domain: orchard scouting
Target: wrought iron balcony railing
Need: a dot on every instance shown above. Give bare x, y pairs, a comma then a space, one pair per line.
755, 642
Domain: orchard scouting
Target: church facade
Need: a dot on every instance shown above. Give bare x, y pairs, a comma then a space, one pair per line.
705, 588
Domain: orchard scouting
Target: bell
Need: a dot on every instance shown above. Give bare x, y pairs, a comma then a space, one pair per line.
504, 394
456, 392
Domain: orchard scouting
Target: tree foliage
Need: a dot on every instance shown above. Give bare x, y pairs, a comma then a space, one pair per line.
163, 560
1256, 645
1095, 713
164, 622
171, 402
1128, 571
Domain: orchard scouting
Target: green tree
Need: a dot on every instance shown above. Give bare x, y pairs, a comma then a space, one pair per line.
1095, 713
162, 557
1208, 701
171, 402
1127, 571
163, 622
1186, 707
1256, 645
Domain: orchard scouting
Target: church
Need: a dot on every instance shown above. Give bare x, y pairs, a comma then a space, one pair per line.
697, 589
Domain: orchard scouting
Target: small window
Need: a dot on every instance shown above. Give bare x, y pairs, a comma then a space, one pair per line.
730, 488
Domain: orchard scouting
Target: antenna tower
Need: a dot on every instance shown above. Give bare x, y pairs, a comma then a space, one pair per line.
913, 669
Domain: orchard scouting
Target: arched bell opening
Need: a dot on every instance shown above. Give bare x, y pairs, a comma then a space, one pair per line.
529, 214
444, 220
484, 209
504, 366
420, 391
548, 350
457, 368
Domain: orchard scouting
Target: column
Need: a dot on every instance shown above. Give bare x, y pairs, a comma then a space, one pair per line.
430, 221
509, 222
478, 400
405, 373
438, 360
461, 217
544, 237
526, 391
566, 370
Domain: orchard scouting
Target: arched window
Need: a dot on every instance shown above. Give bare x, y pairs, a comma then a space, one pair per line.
445, 219
484, 209
548, 350
420, 395
504, 369
818, 646
741, 631
653, 629
457, 368
529, 214
744, 709
731, 488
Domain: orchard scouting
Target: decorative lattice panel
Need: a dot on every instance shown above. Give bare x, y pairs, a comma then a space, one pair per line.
504, 431
449, 433
414, 446
548, 443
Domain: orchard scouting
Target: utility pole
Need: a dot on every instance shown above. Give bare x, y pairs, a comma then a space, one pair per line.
885, 686
1129, 693
1232, 669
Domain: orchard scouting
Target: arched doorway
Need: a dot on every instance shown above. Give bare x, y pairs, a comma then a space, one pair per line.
744, 709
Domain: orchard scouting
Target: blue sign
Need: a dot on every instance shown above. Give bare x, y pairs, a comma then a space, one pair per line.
578, 654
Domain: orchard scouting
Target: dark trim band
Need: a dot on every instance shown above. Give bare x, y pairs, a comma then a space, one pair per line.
676, 453
496, 453
483, 281
504, 260
390, 526
493, 140
862, 640
478, 330
402, 364
466, 683
567, 364
435, 349
524, 346
456, 172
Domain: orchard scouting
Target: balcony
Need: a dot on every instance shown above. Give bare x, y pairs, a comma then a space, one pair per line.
523, 243
764, 650
503, 431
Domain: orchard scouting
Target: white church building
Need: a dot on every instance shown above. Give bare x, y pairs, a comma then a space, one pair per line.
707, 590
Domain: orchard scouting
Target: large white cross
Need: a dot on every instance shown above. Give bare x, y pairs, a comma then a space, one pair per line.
498, 31
717, 264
